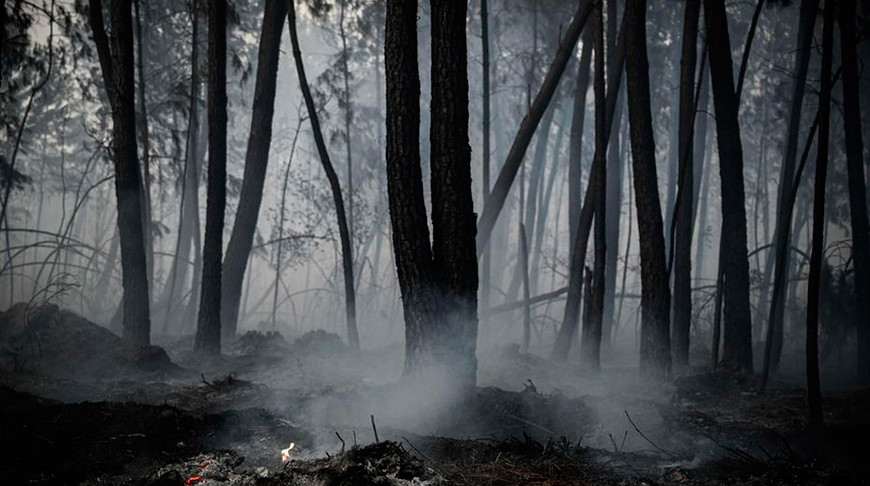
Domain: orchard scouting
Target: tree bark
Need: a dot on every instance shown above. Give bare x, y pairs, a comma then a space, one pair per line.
116, 62
807, 22
590, 345
814, 392
335, 187
857, 188
453, 217
485, 257
568, 328
575, 156
655, 353
256, 161
494, 203
146, 147
682, 312
410, 229
737, 351
208, 333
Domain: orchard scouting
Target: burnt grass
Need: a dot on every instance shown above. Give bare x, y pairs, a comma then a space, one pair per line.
133, 417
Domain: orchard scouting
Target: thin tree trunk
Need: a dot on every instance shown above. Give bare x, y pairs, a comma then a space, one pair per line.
590, 345
281, 213
857, 189
527, 309
332, 177
190, 184
575, 156
256, 160
485, 258
682, 312
208, 332
146, 147
348, 120
737, 351
493, 205
814, 392
614, 194
116, 63
808, 12
655, 353
568, 328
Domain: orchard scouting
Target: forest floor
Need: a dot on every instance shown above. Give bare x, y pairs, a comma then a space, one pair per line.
79, 407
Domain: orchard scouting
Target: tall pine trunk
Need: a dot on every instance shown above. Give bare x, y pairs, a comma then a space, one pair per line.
655, 352
590, 345
453, 218
814, 392
776, 317
116, 63
682, 312
256, 162
737, 351
208, 333
857, 188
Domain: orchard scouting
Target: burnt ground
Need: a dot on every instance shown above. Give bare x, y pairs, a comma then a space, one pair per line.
78, 407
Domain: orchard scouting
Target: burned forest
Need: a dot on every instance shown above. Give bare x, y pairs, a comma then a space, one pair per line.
434, 242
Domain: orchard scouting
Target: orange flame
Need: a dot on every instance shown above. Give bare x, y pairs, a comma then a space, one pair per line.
192, 480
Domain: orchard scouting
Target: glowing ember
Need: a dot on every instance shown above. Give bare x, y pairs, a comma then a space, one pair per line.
192, 480
285, 453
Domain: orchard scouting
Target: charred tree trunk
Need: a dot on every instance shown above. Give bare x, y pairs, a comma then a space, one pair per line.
590, 346
857, 189
146, 147
682, 312
808, 12
453, 217
485, 257
578, 117
614, 194
256, 161
655, 352
494, 203
814, 392
568, 328
334, 185
116, 63
208, 332
737, 351
413, 253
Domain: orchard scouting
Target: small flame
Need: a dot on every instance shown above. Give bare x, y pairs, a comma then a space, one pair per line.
192, 480
285, 453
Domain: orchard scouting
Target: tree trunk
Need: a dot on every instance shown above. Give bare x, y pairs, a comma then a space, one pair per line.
116, 63
808, 11
682, 313
737, 351
568, 329
590, 345
208, 332
146, 148
189, 209
527, 309
348, 120
578, 116
857, 189
332, 177
485, 257
814, 392
453, 217
614, 194
256, 161
494, 203
655, 352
